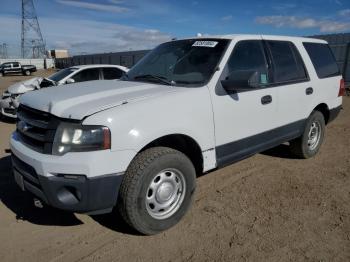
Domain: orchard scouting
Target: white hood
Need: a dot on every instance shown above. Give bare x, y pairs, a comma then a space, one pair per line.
77, 101
25, 86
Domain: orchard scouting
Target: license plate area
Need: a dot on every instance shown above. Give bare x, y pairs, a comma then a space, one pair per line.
19, 179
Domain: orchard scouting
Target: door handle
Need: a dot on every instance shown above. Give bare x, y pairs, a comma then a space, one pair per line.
266, 100
309, 91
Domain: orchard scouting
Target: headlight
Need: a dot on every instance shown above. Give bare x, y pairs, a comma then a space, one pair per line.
80, 138
6, 94
14, 96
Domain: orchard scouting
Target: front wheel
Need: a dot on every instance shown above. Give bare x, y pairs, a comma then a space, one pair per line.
27, 73
309, 143
157, 190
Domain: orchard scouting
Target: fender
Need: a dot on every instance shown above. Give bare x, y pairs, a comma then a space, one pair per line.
136, 124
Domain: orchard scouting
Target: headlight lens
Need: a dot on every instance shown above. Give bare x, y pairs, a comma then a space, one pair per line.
6, 94
14, 96
80, 138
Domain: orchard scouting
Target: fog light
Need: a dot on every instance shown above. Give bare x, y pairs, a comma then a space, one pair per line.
69, 195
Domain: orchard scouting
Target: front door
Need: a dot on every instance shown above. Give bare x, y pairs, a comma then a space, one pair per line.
7, 67
244, 121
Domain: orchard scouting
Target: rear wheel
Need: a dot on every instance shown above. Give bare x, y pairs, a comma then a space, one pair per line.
157, 190
309, 143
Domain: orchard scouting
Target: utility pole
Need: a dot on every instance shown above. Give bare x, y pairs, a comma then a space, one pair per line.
32, 43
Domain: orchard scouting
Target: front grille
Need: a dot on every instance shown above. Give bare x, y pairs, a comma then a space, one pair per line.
36, 129
10, 111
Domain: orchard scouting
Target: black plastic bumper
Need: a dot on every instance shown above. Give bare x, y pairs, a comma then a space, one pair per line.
333, 113
75, 193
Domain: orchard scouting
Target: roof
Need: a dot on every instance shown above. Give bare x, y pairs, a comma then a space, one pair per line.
99, 66
270, 37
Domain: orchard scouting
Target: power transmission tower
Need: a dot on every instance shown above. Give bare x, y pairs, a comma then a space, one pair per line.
3, 51
32, 43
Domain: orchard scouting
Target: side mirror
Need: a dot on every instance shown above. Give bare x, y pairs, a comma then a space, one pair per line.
242, 80
70, 81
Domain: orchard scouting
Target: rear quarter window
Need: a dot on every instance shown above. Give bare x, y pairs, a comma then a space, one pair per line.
323, 59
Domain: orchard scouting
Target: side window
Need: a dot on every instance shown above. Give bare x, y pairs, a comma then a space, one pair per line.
288, 65
7, 65
110, 73
249, 56
323, 59
87, 75
15, 64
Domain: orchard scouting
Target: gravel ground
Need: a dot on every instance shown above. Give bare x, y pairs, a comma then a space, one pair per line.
270, 207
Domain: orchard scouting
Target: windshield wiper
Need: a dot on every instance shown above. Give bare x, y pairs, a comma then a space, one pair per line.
159, 79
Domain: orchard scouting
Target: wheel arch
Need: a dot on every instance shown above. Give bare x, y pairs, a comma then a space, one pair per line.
324, 109
183, 143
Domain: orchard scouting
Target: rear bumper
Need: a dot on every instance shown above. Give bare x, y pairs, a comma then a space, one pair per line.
333, 113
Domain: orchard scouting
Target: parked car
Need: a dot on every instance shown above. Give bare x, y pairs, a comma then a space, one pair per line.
9, 101
16, 68
188, 107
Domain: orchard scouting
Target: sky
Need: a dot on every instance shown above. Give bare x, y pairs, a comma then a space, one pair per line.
86, 26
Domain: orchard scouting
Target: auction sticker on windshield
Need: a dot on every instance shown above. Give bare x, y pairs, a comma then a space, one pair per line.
205, 43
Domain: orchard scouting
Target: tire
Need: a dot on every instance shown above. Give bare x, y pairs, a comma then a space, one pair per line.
309, 143
2, 74
146, 184
27, 73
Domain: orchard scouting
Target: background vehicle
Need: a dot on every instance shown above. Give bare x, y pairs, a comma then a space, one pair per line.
9, 101
16, 68
188, 107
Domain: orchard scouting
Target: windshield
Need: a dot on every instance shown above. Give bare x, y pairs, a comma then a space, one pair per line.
184, 62
62, 74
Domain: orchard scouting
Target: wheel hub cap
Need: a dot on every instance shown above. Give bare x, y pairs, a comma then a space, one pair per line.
165, 193
314, 135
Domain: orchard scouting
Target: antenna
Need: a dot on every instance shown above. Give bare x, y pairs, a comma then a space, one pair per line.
32, 43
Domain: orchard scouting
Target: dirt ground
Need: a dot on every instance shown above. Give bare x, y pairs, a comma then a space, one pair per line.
270, 207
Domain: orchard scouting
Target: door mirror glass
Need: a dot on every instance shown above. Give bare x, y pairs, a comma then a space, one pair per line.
243, 80
70, 81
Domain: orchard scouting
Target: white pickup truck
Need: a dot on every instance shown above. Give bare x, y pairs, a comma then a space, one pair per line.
188, 107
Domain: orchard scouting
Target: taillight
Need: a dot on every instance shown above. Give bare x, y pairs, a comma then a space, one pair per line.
342, 88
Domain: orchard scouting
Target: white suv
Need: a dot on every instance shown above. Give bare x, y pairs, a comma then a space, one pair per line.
188, 107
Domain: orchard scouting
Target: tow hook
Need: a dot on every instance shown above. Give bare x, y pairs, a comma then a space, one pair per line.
38, 203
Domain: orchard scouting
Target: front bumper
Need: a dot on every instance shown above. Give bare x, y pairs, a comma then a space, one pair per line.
7, 107
77, 182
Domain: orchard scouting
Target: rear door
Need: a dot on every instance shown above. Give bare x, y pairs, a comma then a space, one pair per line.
87, 75
110, 73
16, 67
291, 81
327, 77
